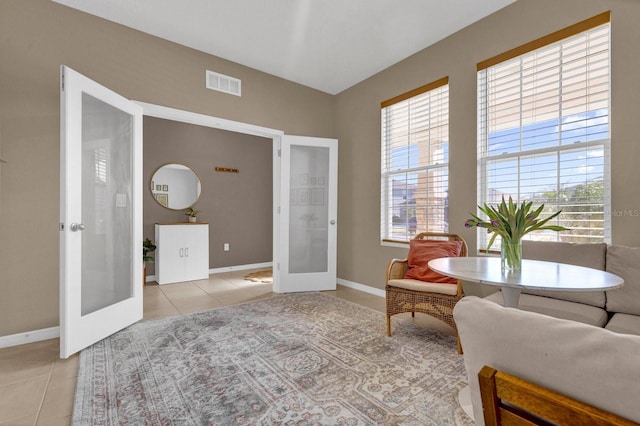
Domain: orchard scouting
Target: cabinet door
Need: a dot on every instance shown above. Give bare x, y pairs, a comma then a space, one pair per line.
197, 254
170, 265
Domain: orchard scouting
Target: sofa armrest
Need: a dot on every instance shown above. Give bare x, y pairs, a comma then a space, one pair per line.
396, 269
584, 362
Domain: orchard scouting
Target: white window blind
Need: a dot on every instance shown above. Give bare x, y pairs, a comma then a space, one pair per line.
415, 152
543, 131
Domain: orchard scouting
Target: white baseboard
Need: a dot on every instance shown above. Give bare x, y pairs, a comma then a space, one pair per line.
362, 287
29, 337
151, 278
241, 267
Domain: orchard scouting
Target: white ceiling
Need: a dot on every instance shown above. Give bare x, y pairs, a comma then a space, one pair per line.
329, 45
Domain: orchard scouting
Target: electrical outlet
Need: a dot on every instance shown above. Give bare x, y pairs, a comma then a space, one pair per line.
226, 247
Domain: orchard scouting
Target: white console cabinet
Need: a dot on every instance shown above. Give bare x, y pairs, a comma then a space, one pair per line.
182, 253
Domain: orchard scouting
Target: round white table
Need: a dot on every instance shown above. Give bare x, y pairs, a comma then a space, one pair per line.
534, 275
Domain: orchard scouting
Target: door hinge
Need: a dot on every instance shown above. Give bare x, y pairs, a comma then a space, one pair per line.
279, 152
61, 226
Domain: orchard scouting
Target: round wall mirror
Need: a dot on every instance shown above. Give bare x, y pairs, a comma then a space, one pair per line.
175, 186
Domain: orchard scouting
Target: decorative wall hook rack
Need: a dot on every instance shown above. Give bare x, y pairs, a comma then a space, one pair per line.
226, 169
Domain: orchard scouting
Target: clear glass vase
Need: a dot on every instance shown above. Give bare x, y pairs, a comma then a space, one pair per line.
511, 256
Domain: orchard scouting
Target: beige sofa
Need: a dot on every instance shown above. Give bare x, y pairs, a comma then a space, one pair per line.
616, 310
591, 364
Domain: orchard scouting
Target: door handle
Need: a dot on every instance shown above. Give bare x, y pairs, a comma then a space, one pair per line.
75, 227
332, 222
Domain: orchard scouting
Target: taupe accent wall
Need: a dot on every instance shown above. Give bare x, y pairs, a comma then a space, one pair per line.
36, 36
237, 206
361, 258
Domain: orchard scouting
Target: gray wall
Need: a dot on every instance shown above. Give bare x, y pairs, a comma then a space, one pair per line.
237, 206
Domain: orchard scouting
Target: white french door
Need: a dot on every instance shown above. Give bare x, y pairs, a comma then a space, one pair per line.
100, 212
306, 229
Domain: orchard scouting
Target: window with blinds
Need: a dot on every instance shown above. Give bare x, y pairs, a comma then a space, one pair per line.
415, 155
543, 130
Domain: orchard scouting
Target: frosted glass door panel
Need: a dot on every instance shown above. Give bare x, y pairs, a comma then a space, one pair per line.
308, 209
106, 205
100, 212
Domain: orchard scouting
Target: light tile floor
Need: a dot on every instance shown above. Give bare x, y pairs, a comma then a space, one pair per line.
37, 387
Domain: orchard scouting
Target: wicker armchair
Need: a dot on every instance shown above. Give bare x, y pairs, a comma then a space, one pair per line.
436, 300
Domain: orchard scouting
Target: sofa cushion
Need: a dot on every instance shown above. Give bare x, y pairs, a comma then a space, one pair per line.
624, 323
423, 251
558, 308
590, 364
624, 262
591, 255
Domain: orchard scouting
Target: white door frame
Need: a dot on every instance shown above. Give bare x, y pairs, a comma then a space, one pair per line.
167, 113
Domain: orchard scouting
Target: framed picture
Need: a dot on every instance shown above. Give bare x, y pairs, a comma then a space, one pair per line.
303, 179
314, 180
317, 197
158, 187
163, 199
321, 180
165, 187
303, 197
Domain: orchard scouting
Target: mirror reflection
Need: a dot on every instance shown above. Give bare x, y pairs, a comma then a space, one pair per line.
175, 186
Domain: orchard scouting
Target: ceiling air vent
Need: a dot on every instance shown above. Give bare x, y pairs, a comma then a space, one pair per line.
223, 83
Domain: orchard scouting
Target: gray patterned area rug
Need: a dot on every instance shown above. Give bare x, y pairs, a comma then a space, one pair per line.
297, 359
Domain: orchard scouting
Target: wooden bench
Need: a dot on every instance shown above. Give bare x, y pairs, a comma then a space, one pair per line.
509, 400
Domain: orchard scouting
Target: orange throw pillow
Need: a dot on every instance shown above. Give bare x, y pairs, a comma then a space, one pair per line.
422, 251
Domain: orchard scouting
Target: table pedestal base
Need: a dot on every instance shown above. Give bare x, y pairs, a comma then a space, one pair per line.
511, 296
464, 399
